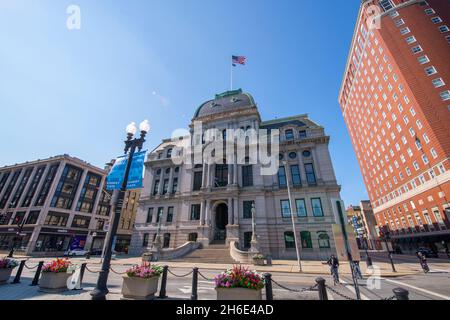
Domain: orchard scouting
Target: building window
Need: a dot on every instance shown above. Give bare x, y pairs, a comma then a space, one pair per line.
423, 59
282, 177
169, 153
88, 193
293, 155
289, 134
289, 240
305, 237
81, 222
221, 176
248, 239
443, 29
175, 185
33, 217
324, 240
306, 153
67, 187
195, 212
285, 209
316, 204
166, 242
165, 186
193, 237
430, 70
247, 209
404, 31
56, 219
169, 214
429, 11
145, 240
20, 189
445, 95
156, 188
302, 134
416, 49
399, 22
198, 176
9, 189
437, 83
436, 20
18, 219
386, 5
301, 208
149, 215
247, 176
310, 175
295, 173
411, 39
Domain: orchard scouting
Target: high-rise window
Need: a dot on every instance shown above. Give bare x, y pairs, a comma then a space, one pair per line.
175, 185
295, 173
445, 95
430, 70
282, 177
149, 215
165, 186
438, 82
20, 188
9, 188
33, 217
33, 187
88, 193
160, 214
386, 5
67, 187
310, 175
156, 187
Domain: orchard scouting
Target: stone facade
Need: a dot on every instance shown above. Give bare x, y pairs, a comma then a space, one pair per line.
211, 203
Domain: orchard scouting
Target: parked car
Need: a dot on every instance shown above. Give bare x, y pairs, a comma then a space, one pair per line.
427, 252
96, 252
78, 252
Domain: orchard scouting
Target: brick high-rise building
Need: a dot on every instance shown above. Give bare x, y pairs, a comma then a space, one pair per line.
395, 100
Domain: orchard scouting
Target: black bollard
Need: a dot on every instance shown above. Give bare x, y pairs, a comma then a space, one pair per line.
38, 273
268, 283
162, 291
321, 287
82, 270
194, 295
19, 272
401, 294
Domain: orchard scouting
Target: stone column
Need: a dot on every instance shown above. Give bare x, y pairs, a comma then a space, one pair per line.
236, 210
208, 176
235, 171
230, 211
230, 176
301, 165
202, 213
208, 213
204, 175
316, 165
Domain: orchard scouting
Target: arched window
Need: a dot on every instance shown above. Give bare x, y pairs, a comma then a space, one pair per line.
305, 237
324, 240
289, 240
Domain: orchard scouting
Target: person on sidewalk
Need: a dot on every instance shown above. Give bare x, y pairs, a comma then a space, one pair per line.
423, 262
357, 270
333, 262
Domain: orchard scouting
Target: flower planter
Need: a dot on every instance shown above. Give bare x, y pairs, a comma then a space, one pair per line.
139, 288
5, 273
54, 282
238, 294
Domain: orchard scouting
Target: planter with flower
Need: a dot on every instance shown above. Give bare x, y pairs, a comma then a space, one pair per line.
239, 283
259, 260
141, 282
6, 267
55, 275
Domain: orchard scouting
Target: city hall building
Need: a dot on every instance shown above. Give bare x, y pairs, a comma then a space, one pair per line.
211, 203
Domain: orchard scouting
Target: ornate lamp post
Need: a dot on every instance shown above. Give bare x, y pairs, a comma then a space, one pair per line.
156, 246
254, 243
88, 256
131, 145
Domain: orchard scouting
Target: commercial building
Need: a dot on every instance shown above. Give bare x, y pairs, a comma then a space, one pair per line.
48, 206
363, 221
395, 98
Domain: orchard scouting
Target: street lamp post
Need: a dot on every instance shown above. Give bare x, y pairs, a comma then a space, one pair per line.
18, 236
386, 237
368, 258
101, 290
156, 245
254, 242
292, 217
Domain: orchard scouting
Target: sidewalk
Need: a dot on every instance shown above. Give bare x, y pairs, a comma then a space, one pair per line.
282, 266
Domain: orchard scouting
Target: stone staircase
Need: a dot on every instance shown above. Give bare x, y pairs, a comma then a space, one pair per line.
215, 253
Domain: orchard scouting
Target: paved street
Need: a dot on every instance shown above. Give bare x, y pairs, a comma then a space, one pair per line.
432, 286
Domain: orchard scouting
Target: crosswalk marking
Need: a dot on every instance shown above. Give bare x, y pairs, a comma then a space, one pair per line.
350, 287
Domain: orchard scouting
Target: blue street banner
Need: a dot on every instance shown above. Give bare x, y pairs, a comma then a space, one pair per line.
115, 176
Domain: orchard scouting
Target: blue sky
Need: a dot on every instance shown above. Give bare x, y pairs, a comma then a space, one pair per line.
74, 92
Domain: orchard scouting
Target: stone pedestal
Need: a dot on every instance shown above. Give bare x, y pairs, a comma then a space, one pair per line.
232, 233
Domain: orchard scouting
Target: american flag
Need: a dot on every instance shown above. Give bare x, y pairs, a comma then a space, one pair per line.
238, 60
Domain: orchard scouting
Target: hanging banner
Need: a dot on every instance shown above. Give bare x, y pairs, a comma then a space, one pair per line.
116, 175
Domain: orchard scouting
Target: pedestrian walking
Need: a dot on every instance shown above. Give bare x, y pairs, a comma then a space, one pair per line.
333, 262
423, 262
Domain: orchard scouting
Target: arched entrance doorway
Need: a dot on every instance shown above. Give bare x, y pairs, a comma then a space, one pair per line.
221, 222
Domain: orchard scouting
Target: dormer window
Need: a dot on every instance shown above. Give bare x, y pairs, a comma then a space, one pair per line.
289, 134
302, 134
169, 153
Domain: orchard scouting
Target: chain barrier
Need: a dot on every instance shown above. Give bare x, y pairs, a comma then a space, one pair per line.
116, 272
339, 294
207, 279
180, 276
390, 298
91, 271
312, 288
